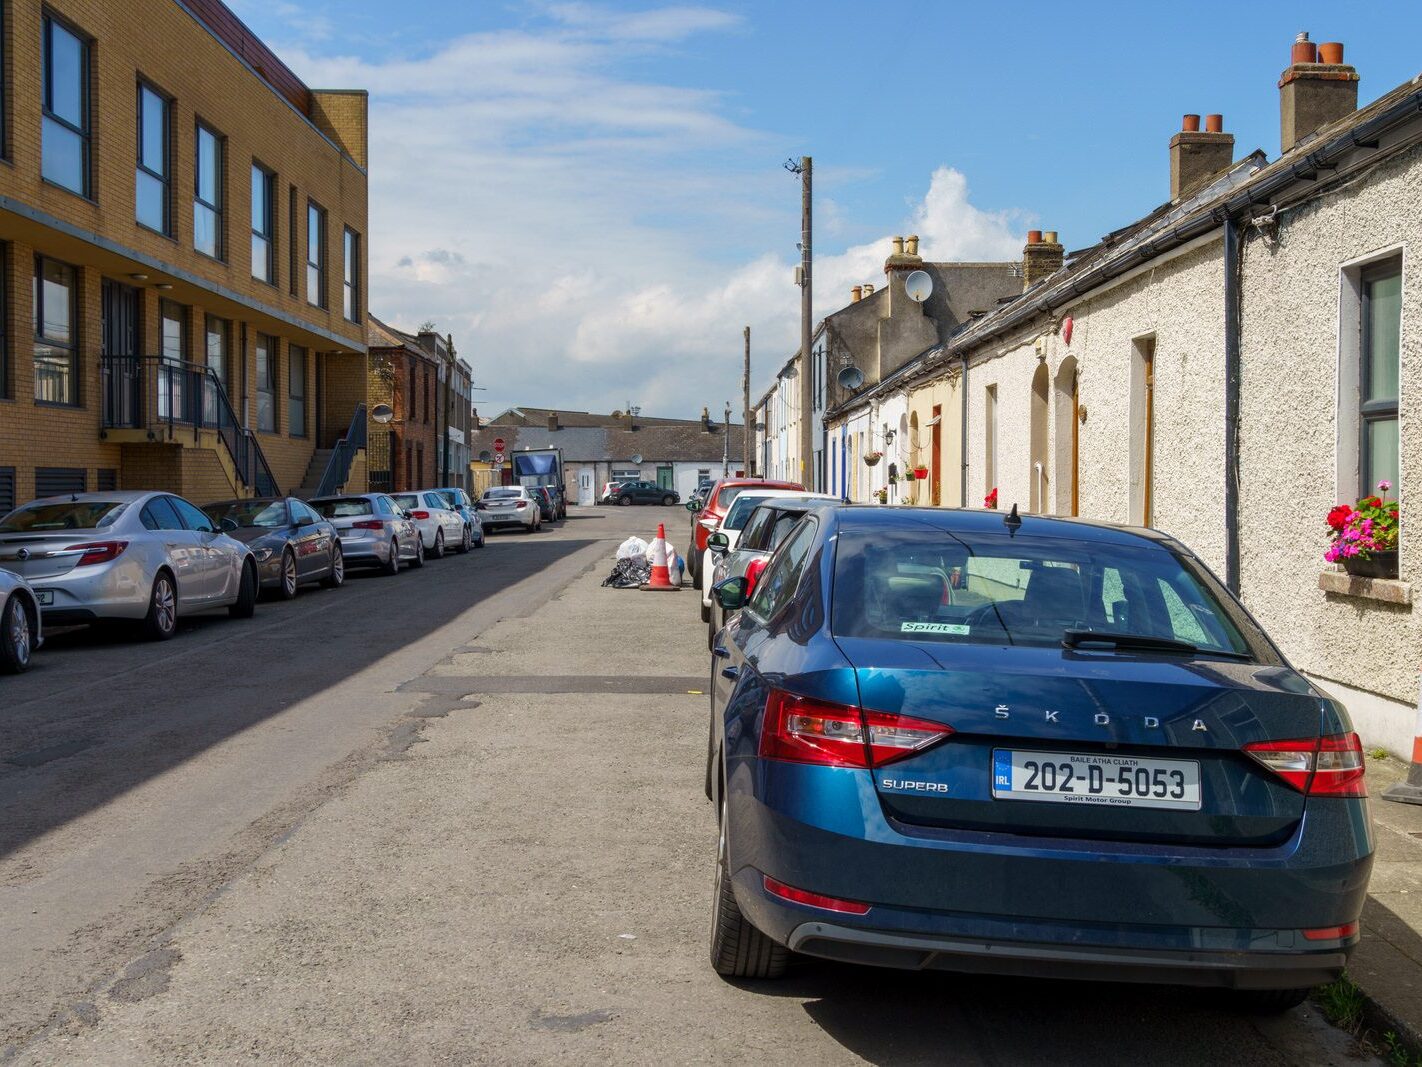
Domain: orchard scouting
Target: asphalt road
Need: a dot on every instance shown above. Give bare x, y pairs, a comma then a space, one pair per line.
454, 816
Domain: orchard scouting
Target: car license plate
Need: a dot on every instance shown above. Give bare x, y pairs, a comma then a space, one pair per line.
1086, 778
45, 597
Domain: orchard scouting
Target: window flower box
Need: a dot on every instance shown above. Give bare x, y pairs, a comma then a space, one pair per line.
1364, 536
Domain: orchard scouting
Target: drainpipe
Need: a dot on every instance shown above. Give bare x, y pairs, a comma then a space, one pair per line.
1233, 261
963, 444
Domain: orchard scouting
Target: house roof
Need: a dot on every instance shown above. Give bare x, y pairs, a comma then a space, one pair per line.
667, 441
527, 416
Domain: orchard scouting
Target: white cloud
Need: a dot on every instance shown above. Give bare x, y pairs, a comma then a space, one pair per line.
579, 231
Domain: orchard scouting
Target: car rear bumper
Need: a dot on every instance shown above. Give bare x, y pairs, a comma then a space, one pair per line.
1254, 968
116, 590
364, 551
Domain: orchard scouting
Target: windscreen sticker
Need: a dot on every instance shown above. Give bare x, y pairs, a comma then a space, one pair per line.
956, 628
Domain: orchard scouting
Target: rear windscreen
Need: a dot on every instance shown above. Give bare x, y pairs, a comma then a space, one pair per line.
930, 585
70, 515
525, 466
346, 508
740, 512
502, 494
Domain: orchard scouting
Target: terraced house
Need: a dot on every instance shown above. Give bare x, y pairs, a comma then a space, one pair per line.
182, 254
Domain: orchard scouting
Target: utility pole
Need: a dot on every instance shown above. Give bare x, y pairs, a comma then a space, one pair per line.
807, 391
726, 442
748, 423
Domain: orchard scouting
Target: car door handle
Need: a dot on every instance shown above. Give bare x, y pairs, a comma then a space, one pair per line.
730, 672
721, 652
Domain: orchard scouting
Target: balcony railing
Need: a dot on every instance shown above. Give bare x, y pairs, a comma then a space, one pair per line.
169, 397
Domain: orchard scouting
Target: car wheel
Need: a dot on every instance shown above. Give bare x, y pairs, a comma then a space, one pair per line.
668, 501
691, 562
466, 541
337, 577
419, 560
624, 501
738, 949
15, 640
392, 565
161, 622
1267, 1001
438, 551
287, 589
705, 612
246, 605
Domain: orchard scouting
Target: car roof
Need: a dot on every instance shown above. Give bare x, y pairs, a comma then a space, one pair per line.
118, 496
869, 517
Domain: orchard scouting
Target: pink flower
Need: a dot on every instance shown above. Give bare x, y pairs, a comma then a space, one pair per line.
1384, 485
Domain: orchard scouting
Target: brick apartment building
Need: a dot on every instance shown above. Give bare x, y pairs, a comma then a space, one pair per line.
420, 377
182, 253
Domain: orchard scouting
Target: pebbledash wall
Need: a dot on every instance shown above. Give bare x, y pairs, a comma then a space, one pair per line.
314, 143
1296, 346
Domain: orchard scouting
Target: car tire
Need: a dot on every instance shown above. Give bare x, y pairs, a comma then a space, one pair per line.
1267, 1001
246, 605
624, 501
738, 949
419, 557
437, 552
668, 501
392, 565
693, 566
480, 543
466, 541
16, 636
161, 622
337, 577
287, 589
705, 612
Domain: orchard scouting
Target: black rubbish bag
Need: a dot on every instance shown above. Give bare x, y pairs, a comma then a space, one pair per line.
629, 573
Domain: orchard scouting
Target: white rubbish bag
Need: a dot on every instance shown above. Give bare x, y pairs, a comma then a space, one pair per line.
632, 548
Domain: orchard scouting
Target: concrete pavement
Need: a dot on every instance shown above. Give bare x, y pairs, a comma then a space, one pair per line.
520, 871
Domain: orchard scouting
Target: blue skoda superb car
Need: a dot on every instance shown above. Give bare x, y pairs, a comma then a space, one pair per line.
1036, 747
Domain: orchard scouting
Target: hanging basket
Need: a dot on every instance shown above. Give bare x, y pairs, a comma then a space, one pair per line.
871, 459
921, 473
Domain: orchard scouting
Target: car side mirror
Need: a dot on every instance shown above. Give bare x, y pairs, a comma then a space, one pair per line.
228, 525
306, 520
693, 504
718, 542
732, 593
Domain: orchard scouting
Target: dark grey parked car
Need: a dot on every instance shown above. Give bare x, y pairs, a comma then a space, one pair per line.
292, 544
374, 531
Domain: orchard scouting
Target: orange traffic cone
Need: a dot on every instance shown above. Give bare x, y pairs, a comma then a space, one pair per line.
661, 574
1410, 791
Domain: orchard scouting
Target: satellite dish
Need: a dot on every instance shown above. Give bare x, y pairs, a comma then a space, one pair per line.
850, 378
485, 456
637, 457
919, 285
382, 413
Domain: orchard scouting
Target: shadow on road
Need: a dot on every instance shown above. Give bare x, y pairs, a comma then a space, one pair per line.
101, 713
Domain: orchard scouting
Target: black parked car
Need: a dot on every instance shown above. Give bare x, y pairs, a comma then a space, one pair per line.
547, 501
291, 542
643, 493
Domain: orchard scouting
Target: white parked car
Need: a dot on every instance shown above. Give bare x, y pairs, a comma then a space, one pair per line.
437, 524
509, 505
145, 557
20, 631
731, 525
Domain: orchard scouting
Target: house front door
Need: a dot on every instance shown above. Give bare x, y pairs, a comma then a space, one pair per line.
664, 477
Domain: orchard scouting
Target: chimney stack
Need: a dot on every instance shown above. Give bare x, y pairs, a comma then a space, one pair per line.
1318, 88
1042, 257
868, 290
705, 420
856, 294
1196, 156
552, 420
904, 258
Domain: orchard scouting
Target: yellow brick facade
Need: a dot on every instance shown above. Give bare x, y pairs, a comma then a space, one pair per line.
318, 158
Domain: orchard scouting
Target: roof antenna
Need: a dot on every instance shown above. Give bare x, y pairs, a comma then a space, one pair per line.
1012, 520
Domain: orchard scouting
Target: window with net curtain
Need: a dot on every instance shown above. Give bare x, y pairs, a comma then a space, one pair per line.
1378, 393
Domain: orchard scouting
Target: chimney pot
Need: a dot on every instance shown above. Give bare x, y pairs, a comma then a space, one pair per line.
1190, 124
898, 246
1034, 237
1214, 124
911, 242
1331, 52
1049, 237
1304, 50
857, 294
868, 291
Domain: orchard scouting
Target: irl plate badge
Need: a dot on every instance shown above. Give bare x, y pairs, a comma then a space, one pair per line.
1002, 769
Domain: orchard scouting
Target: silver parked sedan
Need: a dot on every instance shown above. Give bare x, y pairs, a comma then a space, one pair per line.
373, 529
20, 632
438, 524
291, 542
138, 556
509, 505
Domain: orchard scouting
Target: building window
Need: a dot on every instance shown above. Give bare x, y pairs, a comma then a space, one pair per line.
410, 374
64, 138
263, 245
426, 391
266, 383
56, 346
989, 439
291, 271
350, 305
150, 197
207, 199
1379, 447
296, 390
173, 345
1142, 431
315, 255
4, 323
218, 333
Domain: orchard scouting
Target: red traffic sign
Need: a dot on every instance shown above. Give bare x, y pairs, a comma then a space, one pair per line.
498, 444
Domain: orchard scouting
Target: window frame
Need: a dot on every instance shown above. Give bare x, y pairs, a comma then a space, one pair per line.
269, 235
141, 168
219, 228
350, 281
295, 403
72, 346
785, 556
273, 362
1374, 411
316, 211
85, 132
6, 373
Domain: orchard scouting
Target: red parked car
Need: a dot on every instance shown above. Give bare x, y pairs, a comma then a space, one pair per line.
715, 504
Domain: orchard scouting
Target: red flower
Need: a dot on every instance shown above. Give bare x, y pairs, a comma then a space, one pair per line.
990, 501
1373, 502
1339, 516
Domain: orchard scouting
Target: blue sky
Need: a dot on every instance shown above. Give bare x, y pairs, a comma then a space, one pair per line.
589, 196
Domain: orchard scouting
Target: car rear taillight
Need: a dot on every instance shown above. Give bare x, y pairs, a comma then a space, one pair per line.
1317, 767
520, 503
419, 514
814, 900
1331, 933
98, 552
367, 524
803, 730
